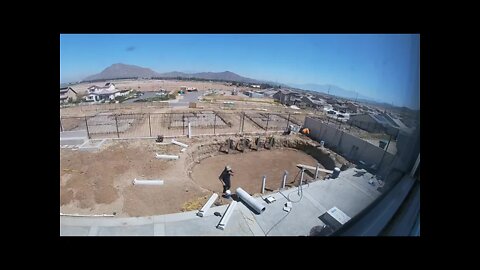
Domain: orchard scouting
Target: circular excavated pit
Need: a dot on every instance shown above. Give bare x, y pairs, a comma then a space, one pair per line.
249, 168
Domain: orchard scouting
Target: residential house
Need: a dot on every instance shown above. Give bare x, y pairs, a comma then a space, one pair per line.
313, 102
351, 107
287, 97
381, 122
270, 93
67, 94
98, 94
370, 122
108, 86
253, 94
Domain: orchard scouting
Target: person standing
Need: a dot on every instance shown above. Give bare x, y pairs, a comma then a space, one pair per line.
225, 177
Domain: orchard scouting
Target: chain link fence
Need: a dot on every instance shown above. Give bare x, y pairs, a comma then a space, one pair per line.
138, 125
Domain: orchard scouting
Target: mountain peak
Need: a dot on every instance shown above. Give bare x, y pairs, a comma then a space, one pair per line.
121, 70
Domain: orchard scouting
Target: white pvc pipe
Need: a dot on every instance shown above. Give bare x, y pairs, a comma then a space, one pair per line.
189, 130
207, 206
179, 143
147, 182
226, 216
313, 168
284, 179
263, 184
301, 180
244, 196
166, 156
78, 215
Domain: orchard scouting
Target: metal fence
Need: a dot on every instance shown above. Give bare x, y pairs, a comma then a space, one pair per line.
107, 125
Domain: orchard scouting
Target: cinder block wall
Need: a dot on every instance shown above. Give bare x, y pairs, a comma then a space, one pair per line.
343, 143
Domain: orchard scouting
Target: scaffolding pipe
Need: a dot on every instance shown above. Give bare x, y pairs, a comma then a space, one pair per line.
207, 206
166, 156
284, 179
147, 182
244, 196
263, 184
226, 216
301, 180
179, 144
300, 166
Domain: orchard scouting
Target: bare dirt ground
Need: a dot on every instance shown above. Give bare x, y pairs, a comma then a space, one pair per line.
101, 182
155, 85
250, 167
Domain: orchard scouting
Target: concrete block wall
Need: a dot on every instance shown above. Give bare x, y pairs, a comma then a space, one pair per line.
343, 143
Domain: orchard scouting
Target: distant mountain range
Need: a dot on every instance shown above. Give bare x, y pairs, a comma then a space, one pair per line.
117, 71
332, 90
120, 70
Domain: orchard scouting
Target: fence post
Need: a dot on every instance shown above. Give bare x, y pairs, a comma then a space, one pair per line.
243, 121
214, 122
284, 180
116, 124
61, 125
242, 118
183, 124
301, 180
263, 184
268, 118
288, 120
149, 125
86, 124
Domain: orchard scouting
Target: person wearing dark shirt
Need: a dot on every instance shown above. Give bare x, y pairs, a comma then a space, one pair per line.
225, 177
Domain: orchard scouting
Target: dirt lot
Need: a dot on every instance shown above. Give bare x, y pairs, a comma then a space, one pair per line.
155, 85
250, 167
101, 182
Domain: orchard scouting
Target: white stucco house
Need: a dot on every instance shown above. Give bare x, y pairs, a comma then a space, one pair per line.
107, 92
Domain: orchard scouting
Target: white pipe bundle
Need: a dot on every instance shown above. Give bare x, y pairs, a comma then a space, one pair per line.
179, 143
226, 216
244, 196
166, 156
147, 182
209, 203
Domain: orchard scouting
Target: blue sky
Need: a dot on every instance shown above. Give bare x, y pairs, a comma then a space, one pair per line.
384, 67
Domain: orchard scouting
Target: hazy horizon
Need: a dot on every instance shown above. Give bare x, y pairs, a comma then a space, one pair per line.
383, 67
